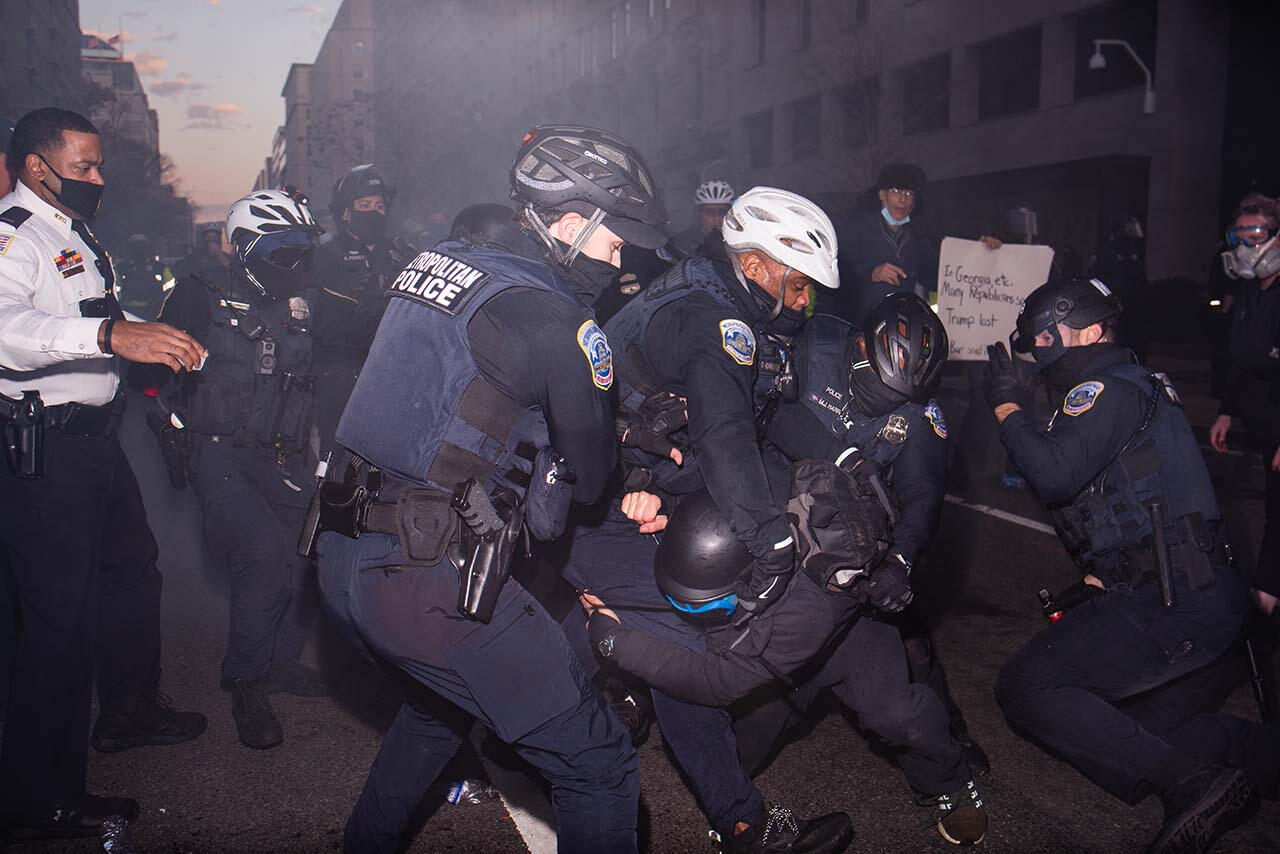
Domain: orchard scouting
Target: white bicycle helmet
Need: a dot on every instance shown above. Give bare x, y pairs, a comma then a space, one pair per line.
714, 192
265, 211
788, 228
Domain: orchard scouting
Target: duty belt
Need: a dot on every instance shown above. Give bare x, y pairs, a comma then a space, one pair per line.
79, 419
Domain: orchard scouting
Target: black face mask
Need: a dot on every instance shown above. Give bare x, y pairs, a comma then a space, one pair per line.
788, 321
871, 396
1061, 373
368, 226
82, 198
590, 277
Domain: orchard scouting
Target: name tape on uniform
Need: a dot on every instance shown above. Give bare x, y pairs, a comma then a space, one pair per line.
438, 281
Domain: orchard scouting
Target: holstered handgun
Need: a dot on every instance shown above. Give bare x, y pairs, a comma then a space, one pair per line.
175, 450
23, 421
488, 546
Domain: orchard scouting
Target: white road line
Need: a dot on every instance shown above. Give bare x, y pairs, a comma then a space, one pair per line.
525, 803
1005, 515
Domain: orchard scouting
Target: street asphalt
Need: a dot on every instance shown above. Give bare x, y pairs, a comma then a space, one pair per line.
978, 587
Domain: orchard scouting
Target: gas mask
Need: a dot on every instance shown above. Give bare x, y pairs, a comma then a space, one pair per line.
82, 198
1253, 262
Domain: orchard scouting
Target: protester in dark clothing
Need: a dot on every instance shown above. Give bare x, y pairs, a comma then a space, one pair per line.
1252, 388
887, 252
1121, 263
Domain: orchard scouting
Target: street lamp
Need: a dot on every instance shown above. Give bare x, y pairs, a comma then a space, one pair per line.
1098, 62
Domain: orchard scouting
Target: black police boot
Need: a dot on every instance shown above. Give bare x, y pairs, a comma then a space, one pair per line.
82, 817
294, 677
964, 816
256, 723
143, 719
780, 832
1202, 806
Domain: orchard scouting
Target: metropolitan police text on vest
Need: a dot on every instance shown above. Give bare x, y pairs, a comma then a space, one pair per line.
437, 280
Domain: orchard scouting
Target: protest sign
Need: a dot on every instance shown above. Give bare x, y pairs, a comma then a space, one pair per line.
981, 289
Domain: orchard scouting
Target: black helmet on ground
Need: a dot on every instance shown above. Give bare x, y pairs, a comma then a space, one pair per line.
903, 348
700, 558
360, 181
591, 172
1077, 303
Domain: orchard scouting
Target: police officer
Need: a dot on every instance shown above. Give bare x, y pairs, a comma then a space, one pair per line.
864, 398
489, 381
72, 523
711, 201
354, 264
1131, 499
244, 422
693, 334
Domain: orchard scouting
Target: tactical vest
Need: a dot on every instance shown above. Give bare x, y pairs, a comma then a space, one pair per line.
1161, 460
421, 410
256, 385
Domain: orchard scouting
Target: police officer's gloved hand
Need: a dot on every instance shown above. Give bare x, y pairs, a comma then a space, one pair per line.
601, 629
766, 580
650, 429
1003, 385
889, 587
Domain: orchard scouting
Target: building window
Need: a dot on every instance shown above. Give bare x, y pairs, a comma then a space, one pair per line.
595, 47
626, 18
759, 132
861, 103
760, 25
1009, 74
613, 34
806, 126
653, 9
859, 13
358, 74
582, 53
805, 8
926, 95
1131, 20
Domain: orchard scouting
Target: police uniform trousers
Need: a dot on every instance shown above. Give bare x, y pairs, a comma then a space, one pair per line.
83, 562
1063, 687
867, 671
614, 561
251, 523
516, 674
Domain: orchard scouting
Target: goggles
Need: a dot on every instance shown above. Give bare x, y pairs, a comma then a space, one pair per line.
1249, 235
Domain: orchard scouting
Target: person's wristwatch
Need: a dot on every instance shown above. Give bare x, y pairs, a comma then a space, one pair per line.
605, 647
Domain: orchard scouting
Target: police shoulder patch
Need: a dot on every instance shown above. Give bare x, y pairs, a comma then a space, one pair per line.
738, 341
934, 413
592, 340
1082, 398
438, 281
5, 241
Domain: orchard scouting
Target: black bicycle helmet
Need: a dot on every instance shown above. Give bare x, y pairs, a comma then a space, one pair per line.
700, 558
1077, 303
581, 169
906, 346
360, 181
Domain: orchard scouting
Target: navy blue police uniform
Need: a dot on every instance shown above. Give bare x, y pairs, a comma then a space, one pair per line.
246, 420
351, 281
1118, 440
689, 333
483, 362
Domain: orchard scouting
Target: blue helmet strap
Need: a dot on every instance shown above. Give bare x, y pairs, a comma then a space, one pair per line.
724, 603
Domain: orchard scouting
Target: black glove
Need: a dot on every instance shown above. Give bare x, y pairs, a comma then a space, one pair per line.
650, 429
889, 587
601, 629
766, 580
1003, 385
